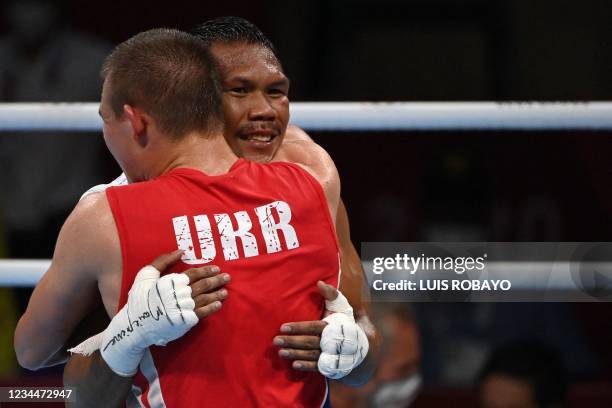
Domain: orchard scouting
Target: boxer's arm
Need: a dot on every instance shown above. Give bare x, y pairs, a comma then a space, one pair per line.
92, 377
354, 286
68, 290
298, 346
352, 282
318, 162
336, 346
91, 374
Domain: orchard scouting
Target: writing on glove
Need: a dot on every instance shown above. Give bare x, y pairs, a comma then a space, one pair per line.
158, 310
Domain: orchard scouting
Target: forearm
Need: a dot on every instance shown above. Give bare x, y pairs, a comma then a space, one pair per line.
93, 372
92, 379
355, 288
96, 321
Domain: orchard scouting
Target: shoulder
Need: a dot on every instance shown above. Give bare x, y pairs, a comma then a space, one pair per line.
89, 234
316, 161
294, 133
299, 148
309, 155
92, 205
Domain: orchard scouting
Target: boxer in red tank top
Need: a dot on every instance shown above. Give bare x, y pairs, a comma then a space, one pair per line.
269, 227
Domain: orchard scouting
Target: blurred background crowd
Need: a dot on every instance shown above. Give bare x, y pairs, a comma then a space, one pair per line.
397, 186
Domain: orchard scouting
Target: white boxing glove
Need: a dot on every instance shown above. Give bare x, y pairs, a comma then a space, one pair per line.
158, 310
344, 344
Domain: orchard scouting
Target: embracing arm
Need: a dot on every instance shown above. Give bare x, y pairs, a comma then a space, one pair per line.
354, 286
342, 356
91, 374
68, 290
302, 344
93, 378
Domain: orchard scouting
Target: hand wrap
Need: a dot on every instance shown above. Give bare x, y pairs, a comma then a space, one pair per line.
344, 344
158, 310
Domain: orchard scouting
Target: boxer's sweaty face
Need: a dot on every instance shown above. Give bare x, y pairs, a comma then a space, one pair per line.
255, 100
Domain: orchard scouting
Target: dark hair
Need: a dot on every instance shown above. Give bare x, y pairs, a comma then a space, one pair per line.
171, 75
232, 29
534, 363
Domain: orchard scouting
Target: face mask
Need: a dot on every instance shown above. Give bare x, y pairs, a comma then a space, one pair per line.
396, 394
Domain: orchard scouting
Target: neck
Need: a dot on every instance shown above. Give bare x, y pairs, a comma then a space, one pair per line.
208, 153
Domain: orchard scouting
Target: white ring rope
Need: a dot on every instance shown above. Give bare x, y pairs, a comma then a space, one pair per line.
355, 116
22, 272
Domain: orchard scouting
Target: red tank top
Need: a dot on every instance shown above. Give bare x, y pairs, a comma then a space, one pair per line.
269, 227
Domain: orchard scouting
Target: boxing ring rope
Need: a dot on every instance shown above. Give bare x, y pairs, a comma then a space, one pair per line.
326, 116
355, 116
22, 272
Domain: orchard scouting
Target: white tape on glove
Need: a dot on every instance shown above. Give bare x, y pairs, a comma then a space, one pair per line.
158, 310
344, 344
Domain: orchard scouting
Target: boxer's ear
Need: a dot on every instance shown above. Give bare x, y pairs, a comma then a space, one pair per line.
140, 122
